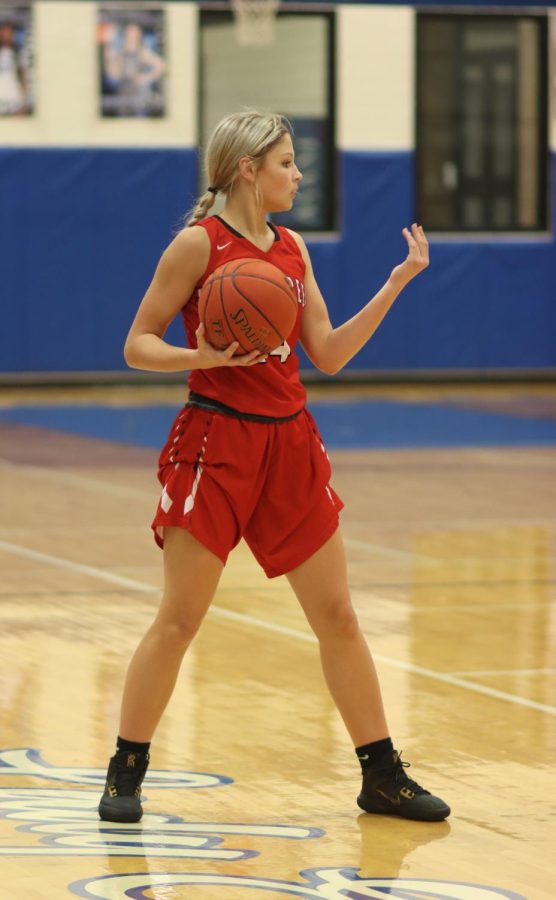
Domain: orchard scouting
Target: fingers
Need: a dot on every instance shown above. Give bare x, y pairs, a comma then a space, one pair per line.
248, 359
422, 242
230, 350
242, 359
409, 237
417, 232
200, 335
212, 357
419, 235
416, 235
417, 241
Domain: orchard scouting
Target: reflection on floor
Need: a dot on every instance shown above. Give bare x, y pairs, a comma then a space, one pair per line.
449, 532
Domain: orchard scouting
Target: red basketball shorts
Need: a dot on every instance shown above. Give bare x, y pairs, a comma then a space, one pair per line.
225, 478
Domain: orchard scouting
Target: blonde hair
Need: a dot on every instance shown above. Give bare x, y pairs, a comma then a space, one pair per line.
247, 133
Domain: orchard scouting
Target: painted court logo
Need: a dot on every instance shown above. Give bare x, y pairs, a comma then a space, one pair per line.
63, 821
319, 884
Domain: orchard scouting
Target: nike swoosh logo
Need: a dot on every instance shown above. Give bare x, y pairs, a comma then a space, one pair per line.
223, 246
395, 801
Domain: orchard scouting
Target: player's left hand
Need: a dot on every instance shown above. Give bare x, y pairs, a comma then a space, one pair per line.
417, 257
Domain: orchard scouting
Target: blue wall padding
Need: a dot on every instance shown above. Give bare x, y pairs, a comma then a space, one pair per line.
82, 230
481, 304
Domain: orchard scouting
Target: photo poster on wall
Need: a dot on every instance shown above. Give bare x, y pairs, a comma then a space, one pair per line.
132, 62
16, 61
552, 77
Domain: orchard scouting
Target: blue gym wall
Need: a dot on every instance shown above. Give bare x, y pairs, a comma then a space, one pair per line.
83, 227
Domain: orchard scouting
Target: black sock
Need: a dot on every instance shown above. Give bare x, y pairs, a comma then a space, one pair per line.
369, 754
131, 746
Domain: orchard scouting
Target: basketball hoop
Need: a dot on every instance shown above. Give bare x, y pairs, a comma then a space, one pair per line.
254, 21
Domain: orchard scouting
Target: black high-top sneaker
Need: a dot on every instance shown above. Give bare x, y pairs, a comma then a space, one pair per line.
389, 791
121, 801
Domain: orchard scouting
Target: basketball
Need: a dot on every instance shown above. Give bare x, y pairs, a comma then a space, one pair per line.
249, 301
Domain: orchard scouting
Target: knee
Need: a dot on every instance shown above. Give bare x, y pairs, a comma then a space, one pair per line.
338, 620
176, 633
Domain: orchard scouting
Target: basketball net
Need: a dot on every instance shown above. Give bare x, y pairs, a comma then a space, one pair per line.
254, 21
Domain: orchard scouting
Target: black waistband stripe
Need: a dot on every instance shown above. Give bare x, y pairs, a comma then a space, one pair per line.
200, 402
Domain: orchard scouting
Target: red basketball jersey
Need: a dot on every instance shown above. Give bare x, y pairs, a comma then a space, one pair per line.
271, 388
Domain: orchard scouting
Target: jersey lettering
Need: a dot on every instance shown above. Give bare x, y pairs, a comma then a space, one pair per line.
299, 289
283, 351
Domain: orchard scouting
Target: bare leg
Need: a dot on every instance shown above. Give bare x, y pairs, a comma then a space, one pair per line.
191, 575
321, 587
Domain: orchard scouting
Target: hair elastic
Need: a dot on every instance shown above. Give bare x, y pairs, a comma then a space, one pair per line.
212, 190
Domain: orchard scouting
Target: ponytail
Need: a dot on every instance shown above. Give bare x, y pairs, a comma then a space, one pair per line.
201, 209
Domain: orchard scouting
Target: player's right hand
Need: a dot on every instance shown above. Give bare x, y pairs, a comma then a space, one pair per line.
209, 357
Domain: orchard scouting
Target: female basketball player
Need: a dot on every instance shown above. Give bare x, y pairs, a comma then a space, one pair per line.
244, 459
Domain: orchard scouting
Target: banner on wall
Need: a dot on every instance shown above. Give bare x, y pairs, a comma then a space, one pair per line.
312, 210
16, 82
131, 62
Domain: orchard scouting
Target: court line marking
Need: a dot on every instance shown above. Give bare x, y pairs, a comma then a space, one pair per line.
122, 491
109, 487
390, 551
245, 619
60, 563
508, 672
93, 484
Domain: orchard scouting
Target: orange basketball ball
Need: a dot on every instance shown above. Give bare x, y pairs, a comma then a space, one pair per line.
250, 301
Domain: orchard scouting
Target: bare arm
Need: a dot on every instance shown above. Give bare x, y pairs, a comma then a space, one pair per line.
331, 348
180, 268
